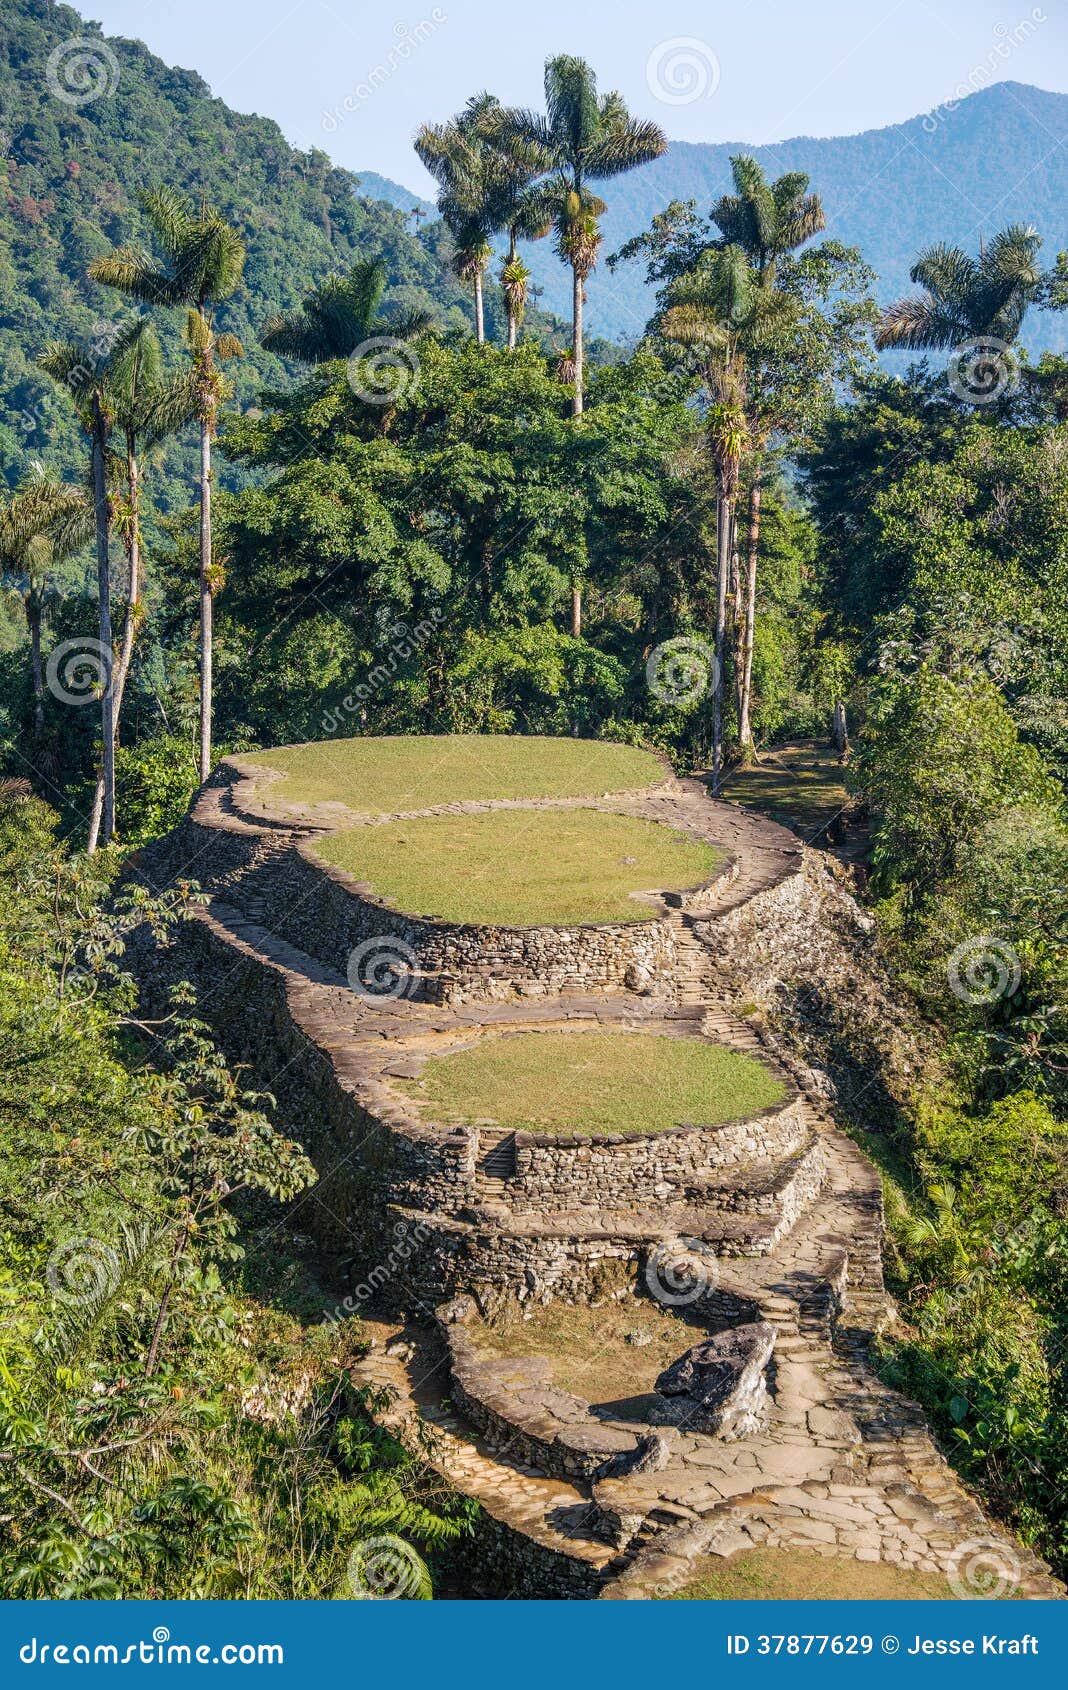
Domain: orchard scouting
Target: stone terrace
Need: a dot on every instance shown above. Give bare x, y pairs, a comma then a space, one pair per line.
782, 1213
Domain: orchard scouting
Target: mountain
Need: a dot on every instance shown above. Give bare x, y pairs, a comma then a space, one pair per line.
376, 187
69, 179
999, 157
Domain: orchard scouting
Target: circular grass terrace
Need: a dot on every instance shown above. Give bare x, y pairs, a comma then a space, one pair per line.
392, 773
523, 868
594, 1083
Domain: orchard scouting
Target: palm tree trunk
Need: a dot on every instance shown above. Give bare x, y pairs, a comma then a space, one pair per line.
576, 407
33, 617
513, 326
480, 318
103, 582
205, 599
133, 610
745, 731
723, 542
576, 609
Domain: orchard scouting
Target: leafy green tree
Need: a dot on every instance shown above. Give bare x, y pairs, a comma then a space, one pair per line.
203, 260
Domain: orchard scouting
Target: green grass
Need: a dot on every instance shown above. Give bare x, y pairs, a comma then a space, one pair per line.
597, 1082
797, 1575
411, 772
522, 868
800, 785
591, 1350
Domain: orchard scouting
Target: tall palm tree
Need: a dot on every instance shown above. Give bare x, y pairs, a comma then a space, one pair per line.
41, 522
516, 207
708, 309
89, 378
146, 407
965, 297
204, 257
460, 157
584, 138
336, 317
766, 221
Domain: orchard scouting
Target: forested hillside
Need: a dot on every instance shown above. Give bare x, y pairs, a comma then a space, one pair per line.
69, 179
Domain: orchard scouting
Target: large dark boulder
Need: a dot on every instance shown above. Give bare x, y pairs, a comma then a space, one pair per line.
719, 1386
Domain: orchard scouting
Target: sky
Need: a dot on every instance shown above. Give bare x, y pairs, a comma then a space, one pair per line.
356, 79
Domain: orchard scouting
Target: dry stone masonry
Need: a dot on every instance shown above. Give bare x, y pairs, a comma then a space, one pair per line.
763, 1236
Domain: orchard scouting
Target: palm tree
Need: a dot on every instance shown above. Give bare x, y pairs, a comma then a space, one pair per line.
41, 523
88, 378
707, 309
336, 318
460, 157
146, 408
964, 298
765, 220
584, 138
203, 260
516, 207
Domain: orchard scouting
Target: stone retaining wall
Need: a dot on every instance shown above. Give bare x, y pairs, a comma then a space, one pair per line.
277, 877
569, 1170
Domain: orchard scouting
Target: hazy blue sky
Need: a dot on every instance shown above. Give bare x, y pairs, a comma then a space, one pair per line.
332, 74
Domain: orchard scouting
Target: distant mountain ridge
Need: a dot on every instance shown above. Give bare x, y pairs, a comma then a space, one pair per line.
998, 158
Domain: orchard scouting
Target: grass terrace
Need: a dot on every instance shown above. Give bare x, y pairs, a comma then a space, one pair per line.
595, 1083
610, 1354
523, 868
380, 776
797, 1575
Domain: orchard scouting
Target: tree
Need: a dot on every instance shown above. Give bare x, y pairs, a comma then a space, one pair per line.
203, 262
459, 156
41, 523
964, 297
585, 138
338, 316
706, 309
91, 377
